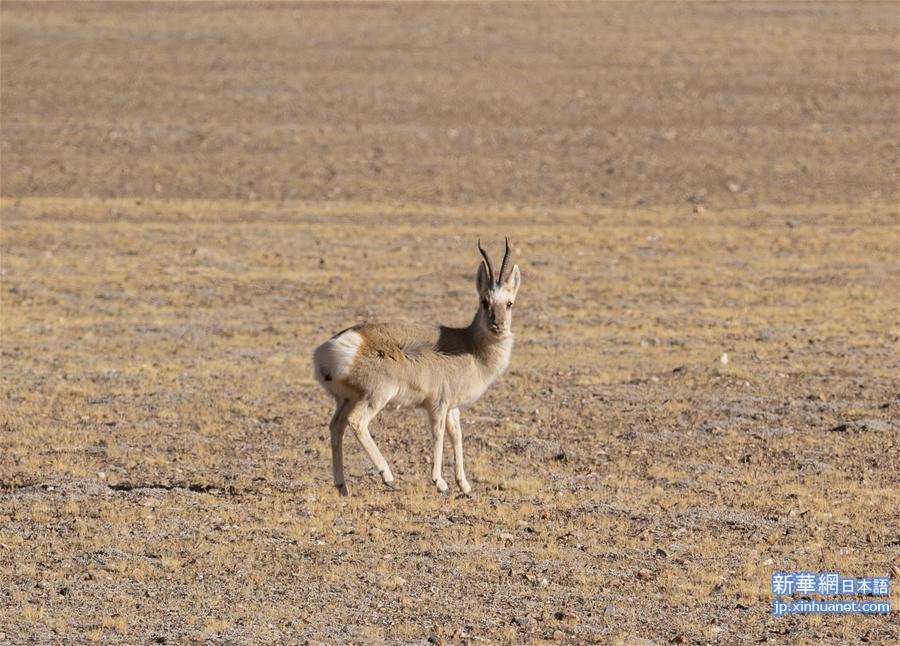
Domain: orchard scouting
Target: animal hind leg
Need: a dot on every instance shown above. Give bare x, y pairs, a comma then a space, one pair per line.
361, 413
338, 425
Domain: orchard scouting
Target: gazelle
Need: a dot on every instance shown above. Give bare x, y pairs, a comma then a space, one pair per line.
436, 368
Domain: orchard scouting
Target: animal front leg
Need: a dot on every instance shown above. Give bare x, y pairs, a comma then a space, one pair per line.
455, 430
437, 416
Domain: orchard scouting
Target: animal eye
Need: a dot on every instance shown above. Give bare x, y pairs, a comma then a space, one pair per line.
508, 304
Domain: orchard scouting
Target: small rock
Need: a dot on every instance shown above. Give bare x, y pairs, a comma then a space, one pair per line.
199, 251
644, 574
394, 583
724, 359
566, 616
699, 209
733, 187
611, 611
661, 552
506, 536
528, 622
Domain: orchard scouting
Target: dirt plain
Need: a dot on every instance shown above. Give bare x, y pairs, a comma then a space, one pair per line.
195, 195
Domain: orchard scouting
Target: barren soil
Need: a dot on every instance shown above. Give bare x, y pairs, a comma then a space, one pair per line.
195, 195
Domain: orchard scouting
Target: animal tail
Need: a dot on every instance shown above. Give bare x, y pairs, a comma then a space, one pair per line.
333, 359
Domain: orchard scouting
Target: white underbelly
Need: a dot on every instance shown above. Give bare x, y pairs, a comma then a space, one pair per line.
408, 398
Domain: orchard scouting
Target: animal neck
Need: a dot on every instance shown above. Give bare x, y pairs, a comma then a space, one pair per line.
491, 350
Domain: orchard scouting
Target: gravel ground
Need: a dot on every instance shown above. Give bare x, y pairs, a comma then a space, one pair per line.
703, 202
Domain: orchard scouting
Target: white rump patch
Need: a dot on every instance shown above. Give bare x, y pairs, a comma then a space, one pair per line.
333, 358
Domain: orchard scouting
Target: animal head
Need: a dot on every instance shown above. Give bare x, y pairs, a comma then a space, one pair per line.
496, 293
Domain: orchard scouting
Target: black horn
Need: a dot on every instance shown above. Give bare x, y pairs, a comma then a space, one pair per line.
487, 261
503, 264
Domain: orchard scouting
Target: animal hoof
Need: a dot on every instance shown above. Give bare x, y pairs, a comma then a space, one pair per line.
464, 487
392, 485
441, 485
342, 489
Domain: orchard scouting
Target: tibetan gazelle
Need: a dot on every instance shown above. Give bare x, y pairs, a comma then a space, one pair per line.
436, 368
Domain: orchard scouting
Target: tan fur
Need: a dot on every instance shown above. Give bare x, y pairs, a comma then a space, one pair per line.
416, 365
436, 368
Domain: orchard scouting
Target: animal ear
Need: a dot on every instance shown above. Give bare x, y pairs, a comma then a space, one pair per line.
483, 279
513, 281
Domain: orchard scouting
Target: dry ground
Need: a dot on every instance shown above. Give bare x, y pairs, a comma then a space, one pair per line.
194, 196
